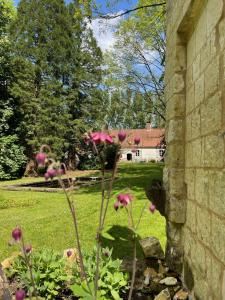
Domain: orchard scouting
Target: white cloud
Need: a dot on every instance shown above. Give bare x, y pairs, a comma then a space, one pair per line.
104, 32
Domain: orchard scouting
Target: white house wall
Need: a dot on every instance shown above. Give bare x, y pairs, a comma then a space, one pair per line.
146, 154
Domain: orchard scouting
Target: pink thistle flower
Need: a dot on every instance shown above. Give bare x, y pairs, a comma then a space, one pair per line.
124, 199
28, 249
51, 173
152, 208
101, 137
40, 158
137, 140
116, 205
17, 234
69, 253
46, 176
122, 136
20, 294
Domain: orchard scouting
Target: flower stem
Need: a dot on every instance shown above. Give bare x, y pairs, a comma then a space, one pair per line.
133, 268
27, 260
73, 213
100, 227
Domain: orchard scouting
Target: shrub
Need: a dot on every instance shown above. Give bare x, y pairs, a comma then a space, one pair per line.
110, 153
112, 281
49, 271
12, 159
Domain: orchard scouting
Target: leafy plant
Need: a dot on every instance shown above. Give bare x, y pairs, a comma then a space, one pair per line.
12, 159
49, 272
112, 281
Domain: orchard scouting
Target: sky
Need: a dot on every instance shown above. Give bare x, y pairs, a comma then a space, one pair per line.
104, 30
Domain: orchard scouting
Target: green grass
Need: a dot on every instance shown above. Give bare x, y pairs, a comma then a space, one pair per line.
46, 221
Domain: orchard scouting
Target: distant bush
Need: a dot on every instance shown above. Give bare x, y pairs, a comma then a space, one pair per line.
12, 158
152, 160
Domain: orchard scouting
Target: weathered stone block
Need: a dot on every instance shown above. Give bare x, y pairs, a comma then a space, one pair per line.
191, 216
190, 99
176, 183
212, 78
196, 68
190, 182
176, 209
195, 124
199, 90
175, 106
175, 130
217, 192
211, 114
201, 186
204, 226
197, 153
213, 151
214, 11
176, 155
218, 240
152, 248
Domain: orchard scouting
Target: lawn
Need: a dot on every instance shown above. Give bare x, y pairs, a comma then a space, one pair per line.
46, 222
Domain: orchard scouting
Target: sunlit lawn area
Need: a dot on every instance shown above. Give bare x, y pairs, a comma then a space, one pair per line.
46, 221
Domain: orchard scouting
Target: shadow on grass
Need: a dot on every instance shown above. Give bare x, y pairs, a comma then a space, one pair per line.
120, 238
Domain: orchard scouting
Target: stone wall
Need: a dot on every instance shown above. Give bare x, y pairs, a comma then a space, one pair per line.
194, 176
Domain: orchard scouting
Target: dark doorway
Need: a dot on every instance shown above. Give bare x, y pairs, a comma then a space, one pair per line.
129, 156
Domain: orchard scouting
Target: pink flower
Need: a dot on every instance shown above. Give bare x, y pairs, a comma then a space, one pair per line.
124, 199
51, 173
101, 137
28, 249
152, 208
116, 205
46, 176
20, 294
17, 234
137, 140
69, 253
40, 158
122, 136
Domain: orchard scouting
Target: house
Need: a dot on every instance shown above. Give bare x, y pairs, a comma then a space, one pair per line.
149, 147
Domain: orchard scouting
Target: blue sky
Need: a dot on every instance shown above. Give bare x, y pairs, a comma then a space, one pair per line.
121, 5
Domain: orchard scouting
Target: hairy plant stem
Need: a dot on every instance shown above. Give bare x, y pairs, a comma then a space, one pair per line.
100, 227
133, 268
27, 260
73, 213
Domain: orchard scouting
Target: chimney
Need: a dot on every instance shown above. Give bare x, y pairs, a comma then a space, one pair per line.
148, 126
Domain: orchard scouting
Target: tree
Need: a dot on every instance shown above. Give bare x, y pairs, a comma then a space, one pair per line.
138, 59
56, 69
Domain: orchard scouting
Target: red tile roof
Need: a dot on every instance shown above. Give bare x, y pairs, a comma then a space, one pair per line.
150, 138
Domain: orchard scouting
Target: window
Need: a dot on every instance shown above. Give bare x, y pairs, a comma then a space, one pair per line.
137, 152
161, 152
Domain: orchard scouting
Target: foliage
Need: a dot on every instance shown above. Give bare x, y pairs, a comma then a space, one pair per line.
56, 69
137, 61
12, 158
49, 270
110, 153
112, 281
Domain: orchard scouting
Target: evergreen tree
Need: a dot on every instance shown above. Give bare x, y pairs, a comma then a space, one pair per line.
56, 68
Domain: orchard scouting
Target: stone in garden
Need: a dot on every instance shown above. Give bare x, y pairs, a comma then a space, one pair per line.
152, 248
181, 295
163, 295
169, 281
149, 274
6, 263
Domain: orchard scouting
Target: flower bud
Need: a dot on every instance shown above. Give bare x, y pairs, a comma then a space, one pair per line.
69, 253
40, 158
52, 173
20, 294
116, 205
152, 208
28, 249
137, 140
46, 176
17, 234
122, 136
